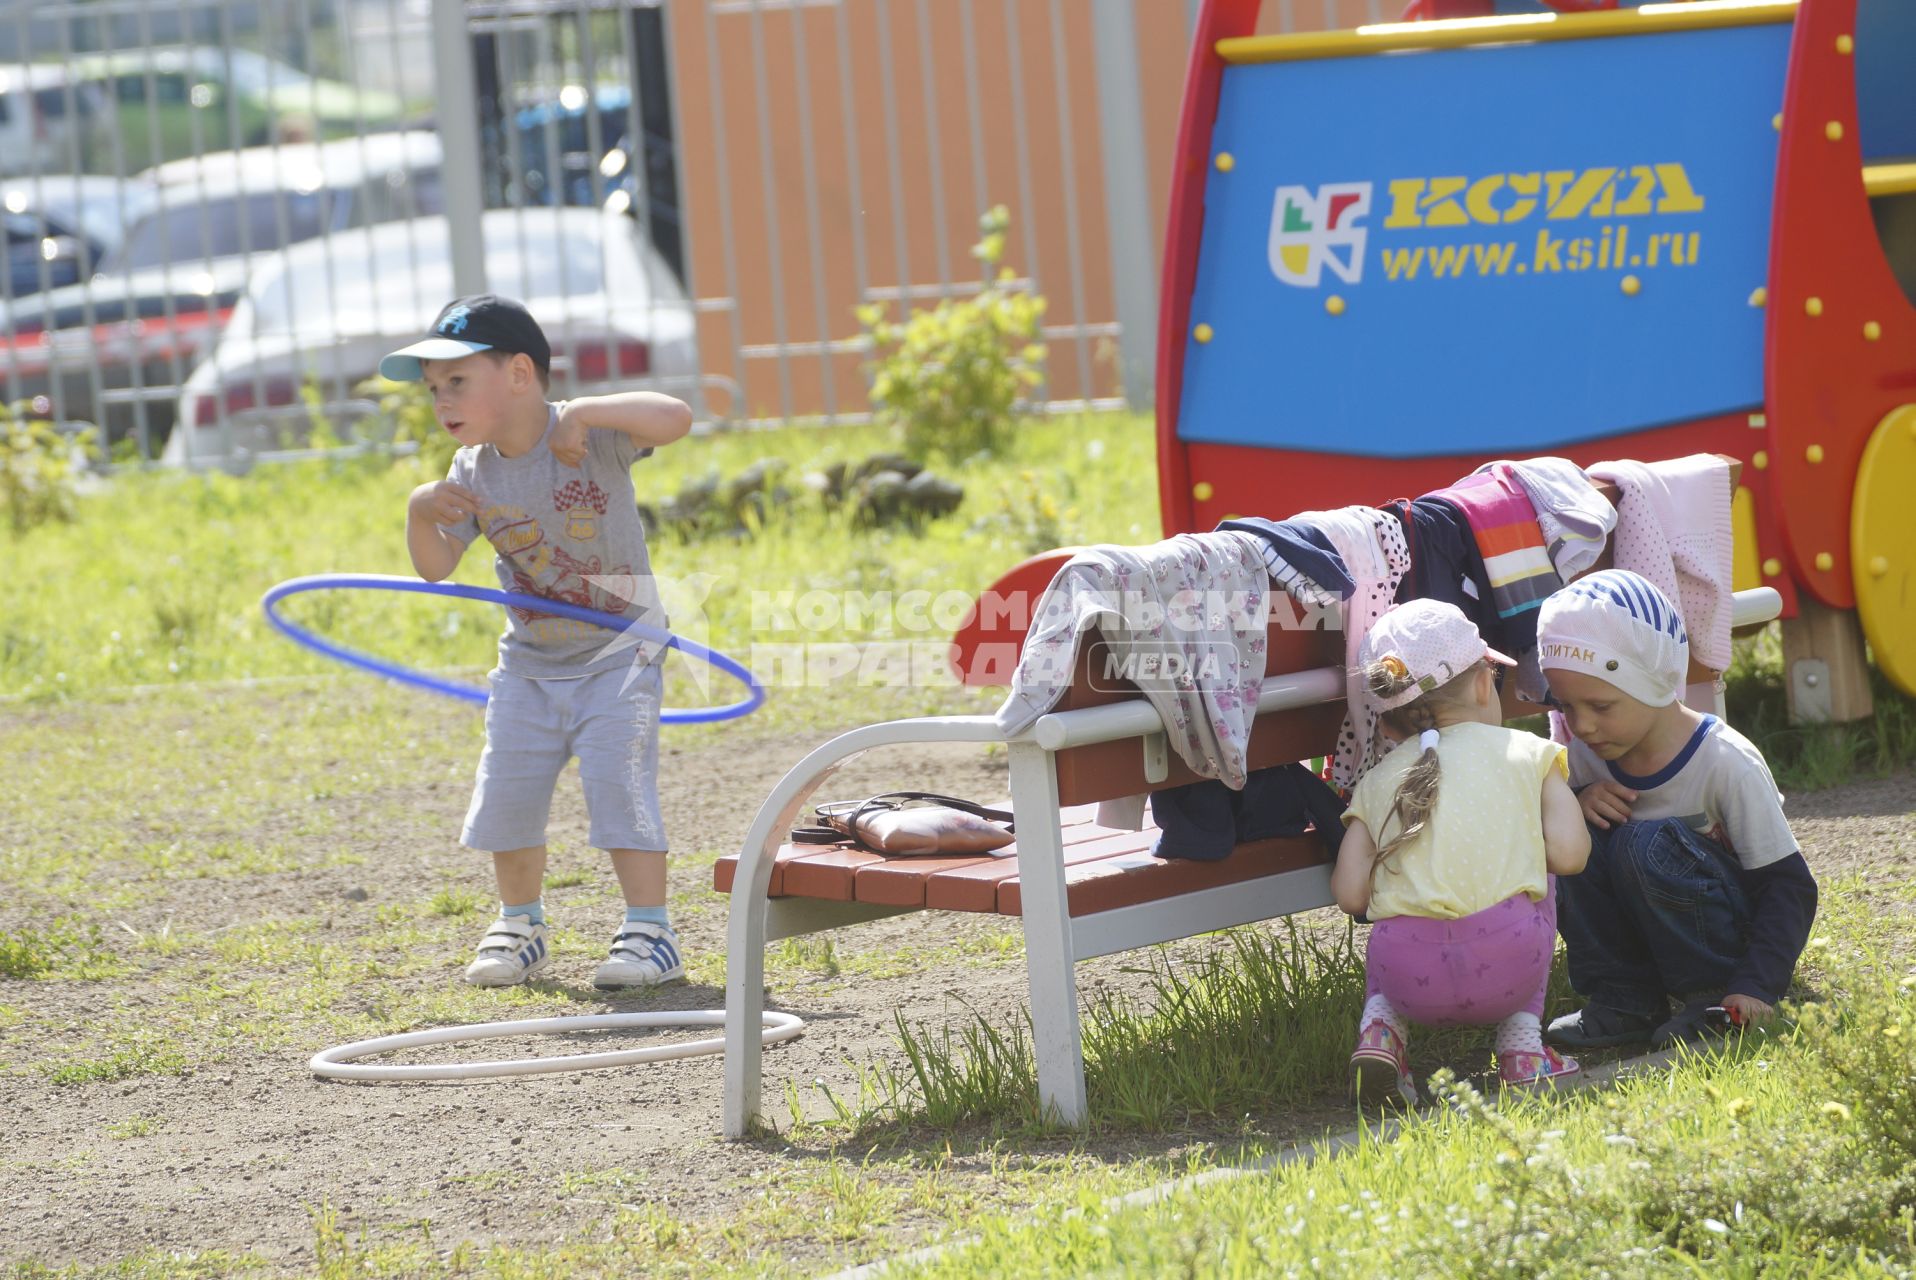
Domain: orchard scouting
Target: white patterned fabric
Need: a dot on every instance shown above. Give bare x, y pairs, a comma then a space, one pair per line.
1673, 527
1192, 608
1371, 543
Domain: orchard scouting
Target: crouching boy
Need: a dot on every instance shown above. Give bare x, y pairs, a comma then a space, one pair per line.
1695, 892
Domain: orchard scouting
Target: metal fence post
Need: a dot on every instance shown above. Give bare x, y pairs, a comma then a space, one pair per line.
1127, 195
455, 86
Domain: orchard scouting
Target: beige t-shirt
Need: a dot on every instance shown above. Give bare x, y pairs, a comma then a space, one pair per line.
1484, 841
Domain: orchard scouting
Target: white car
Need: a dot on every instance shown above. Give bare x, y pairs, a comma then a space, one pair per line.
48, 120
323, 313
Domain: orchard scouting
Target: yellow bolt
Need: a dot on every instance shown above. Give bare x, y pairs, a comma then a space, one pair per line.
1833, 131
1632, 286
1772, 567
1871, 331
1202, 333
1813, 306
1760, 460
1844, 44
1226, 162
1878, 566
1814, 453
1825, 561
1334, 305
1232, 515
1202, 491
1776, 122
1759, 296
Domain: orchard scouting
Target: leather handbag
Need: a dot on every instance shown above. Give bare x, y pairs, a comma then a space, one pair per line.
911, 822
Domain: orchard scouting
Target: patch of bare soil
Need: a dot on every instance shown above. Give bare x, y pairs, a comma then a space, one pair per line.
249, 1147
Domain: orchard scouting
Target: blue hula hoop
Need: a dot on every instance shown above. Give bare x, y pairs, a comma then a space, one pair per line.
269, 604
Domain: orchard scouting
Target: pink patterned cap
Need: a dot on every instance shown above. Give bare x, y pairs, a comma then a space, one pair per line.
1425, 644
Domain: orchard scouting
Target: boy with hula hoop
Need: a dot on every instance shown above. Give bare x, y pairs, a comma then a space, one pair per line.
550, 487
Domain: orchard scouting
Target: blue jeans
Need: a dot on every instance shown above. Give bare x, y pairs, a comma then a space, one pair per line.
1659, 911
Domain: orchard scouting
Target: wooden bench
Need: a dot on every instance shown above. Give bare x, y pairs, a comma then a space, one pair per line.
1080, 890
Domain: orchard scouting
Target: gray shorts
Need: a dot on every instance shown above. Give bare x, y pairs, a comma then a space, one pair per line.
533, 727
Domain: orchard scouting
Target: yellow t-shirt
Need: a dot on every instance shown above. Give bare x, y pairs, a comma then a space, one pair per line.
1484, 840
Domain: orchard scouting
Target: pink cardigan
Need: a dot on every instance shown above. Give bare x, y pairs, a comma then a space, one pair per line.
1673, 527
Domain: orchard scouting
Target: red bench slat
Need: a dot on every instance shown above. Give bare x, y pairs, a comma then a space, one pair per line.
1127, 880
979, 887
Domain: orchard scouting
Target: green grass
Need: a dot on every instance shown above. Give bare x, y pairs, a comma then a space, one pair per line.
1784, 1154
1811, 757
1231, 1037
158, 580
1195, 1049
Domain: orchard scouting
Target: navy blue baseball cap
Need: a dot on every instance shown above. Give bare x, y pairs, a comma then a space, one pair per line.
481, 322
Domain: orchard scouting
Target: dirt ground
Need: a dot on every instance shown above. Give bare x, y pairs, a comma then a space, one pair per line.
250, 1146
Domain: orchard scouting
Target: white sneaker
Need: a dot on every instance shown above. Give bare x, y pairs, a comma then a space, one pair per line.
643, 955
514, 949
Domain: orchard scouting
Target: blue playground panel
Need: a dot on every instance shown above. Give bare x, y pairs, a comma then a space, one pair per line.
1476, 338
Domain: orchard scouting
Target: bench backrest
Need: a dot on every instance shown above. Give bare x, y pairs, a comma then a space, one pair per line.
1108, 770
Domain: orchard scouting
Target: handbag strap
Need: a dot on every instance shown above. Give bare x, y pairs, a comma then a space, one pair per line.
850, 811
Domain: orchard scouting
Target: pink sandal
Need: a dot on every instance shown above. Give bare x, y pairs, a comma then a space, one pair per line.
1523, 1067
1380, 1067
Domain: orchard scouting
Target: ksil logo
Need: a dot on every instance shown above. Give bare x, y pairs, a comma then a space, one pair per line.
1311, 231
1607, 218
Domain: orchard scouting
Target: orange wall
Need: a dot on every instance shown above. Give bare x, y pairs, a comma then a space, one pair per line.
815, 55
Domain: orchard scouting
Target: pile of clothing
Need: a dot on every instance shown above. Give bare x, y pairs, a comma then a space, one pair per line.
1495, 544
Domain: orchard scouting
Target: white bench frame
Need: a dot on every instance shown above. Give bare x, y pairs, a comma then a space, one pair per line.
1054, 941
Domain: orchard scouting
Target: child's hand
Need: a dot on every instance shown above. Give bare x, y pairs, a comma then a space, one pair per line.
445, 503
568, 437
1606, 804
1748, 1010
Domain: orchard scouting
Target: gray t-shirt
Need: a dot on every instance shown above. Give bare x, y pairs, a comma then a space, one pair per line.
1719, 784
567, 533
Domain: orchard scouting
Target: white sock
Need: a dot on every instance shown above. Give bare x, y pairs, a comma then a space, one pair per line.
1521, 1032
1379, 1009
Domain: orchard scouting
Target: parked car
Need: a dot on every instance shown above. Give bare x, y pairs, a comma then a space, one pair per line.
180, 101
128, 336
553, 139
58, 228
324, 313
50, 120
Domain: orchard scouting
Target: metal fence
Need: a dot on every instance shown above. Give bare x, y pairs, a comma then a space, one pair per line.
220, 212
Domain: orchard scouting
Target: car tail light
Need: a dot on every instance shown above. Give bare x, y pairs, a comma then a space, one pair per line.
241, 396
598, 361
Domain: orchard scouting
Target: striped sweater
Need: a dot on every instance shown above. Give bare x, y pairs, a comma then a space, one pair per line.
1505, 524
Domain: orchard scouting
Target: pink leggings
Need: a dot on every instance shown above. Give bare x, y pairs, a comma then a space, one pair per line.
1471, 971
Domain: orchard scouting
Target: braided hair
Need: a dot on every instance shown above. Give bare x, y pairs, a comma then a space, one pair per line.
1417, 791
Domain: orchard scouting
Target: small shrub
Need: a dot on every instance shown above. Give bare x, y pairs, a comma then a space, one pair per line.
1029, 514
952, 378
37, 467
406, 408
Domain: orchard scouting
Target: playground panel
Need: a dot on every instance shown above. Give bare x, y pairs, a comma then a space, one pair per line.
1570, 235
1428, 269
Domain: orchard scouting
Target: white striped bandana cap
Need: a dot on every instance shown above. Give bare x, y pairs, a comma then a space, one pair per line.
1615, 625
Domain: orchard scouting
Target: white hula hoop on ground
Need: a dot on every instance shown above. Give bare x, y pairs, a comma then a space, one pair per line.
339, 1064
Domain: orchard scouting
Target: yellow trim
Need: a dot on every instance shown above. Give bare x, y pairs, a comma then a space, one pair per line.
1457, 33
1889, 179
